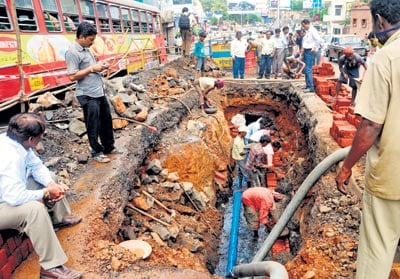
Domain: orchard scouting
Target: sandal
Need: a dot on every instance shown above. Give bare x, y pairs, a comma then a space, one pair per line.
101, 158
114, 151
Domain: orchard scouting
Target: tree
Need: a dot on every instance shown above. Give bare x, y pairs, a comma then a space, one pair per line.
297, 5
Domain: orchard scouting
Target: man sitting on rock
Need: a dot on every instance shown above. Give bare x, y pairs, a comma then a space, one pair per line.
25, 209
203, 86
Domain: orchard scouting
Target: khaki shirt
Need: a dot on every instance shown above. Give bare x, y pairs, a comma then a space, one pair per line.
379, 101
237, 148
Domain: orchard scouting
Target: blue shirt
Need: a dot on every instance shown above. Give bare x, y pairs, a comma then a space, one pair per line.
199, 50
16, 165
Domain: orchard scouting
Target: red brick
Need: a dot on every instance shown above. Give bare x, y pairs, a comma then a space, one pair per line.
3, 257
347, 131
30, 246
18, 256
344, 142
18, 239
338, 116
24, 248
7, 270
12, 262
11, 244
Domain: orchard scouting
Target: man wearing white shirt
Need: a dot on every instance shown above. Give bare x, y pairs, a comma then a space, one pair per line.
310, 44
238, 53
279, 53
267, 45
24, 209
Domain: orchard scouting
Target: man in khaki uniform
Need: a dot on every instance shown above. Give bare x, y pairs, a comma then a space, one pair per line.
378, 134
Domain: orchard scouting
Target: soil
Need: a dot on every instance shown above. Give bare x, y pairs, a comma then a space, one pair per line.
328, 241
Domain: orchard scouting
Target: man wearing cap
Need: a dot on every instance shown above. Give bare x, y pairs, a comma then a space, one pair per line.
259, 207
239, 155
203, 86
349, 64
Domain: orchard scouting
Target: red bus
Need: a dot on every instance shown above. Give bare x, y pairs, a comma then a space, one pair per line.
129, 38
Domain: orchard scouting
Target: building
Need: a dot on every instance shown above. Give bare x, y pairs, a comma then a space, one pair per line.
360, 20
338, 17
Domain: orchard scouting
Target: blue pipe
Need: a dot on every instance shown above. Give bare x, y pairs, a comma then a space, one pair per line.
234, 234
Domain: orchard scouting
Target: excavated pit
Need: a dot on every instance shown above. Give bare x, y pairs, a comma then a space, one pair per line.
197, 150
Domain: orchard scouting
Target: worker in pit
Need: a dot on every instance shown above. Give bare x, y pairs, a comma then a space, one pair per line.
259, 207
257, 162
203, 86
239, 155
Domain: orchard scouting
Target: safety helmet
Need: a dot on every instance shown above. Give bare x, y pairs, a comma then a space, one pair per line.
219, 83
348, 51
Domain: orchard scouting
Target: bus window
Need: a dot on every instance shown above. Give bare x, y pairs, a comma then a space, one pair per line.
136, 21
143, 20
150, 22
116, 19
25, 15
87, 11
5, 22
126, 20
50, 13
70, 15
104, 18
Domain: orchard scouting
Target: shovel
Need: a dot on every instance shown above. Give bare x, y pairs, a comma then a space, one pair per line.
170, 211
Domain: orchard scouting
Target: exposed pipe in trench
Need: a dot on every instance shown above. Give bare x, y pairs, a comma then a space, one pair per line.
257, 267
316, 173
234, 233
274, 270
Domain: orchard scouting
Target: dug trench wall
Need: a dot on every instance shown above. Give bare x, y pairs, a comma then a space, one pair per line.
104, 188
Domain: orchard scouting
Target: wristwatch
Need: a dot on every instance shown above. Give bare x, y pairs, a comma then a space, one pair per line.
46, 193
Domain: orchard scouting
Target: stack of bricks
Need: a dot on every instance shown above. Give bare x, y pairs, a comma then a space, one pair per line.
325, 88
323, 70
344, 126
344, 120
273, 177
14, 248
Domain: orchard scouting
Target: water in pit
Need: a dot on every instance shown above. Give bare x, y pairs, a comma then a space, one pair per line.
247, 245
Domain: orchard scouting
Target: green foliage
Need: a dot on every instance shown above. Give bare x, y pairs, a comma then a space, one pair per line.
214, 20
214, 5
297, 5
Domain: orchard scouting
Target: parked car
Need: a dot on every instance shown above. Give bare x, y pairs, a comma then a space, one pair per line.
246, 6
338, 43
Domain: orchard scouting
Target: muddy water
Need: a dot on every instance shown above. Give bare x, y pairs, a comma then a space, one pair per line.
247, 245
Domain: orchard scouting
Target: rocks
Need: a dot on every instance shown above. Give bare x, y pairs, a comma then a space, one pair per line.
143, 202
163, 232
77, 127
154, 167
48, 100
